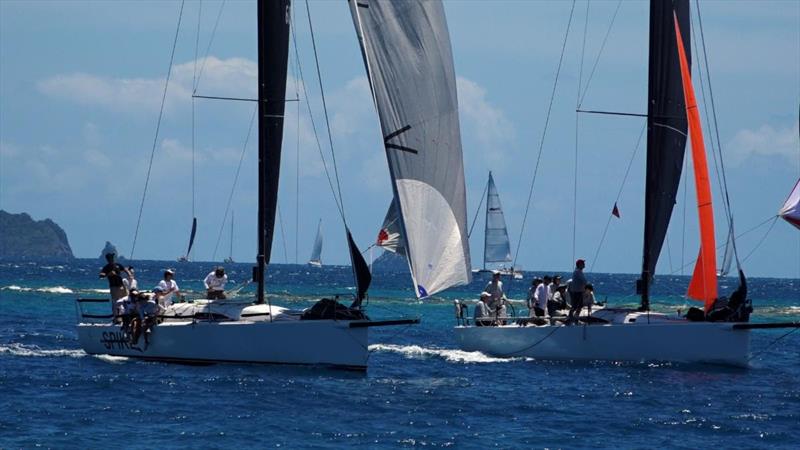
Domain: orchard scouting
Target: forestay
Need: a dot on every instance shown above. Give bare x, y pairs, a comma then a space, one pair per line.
497, 248
406, 49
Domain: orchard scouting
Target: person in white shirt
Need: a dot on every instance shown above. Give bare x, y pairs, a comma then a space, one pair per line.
531, 302
215, 284
482, 311
540, 295
168, 287
495, 290
130, 282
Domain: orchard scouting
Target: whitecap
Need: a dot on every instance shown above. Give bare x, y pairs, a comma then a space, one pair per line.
450, 355
14, 287
33, 350
112, 359
56, 290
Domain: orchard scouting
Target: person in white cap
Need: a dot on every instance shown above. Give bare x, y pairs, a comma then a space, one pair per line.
169, 288
482, 314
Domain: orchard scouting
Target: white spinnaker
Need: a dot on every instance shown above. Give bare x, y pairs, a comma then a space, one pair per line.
406, 49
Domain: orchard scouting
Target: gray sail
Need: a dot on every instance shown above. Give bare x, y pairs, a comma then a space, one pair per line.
316, 252
406, 50
496, 248
390, 237
727, 258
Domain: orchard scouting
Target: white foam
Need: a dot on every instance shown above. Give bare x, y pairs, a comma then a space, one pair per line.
33, 350
49, 290
450, 355
112, 359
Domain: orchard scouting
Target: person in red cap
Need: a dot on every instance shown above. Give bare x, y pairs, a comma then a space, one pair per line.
577, 285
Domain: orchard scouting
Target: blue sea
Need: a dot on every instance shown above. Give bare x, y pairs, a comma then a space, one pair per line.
419, 391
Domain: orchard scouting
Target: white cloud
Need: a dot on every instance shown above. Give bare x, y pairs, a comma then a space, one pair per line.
483, 122
765, 141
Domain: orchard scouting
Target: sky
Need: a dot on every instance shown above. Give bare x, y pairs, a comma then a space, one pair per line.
81, 86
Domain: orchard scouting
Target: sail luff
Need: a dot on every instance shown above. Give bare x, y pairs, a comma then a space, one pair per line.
410, 66
666, 131
703, 285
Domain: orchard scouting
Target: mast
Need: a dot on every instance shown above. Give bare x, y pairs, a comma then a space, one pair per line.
666, 131
230, 251
486, 221
273, 58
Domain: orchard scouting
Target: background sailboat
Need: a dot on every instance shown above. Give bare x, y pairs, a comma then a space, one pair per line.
316, 251
229, 259
496, 245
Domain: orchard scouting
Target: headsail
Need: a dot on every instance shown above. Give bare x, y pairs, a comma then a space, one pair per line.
316, 252
390, 237
666, 130
406, 49
790, 211
727, 256
703, 285
496, 248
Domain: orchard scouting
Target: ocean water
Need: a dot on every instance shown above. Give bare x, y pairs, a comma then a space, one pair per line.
419, 389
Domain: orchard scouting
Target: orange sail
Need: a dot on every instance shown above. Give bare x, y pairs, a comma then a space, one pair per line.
703, 285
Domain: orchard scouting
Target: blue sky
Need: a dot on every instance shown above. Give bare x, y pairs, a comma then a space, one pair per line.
80, 86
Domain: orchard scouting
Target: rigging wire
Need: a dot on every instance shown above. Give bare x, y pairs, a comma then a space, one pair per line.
619, 194
208, 48
728, 209
325, 110
544, 133
683, 231
297, 157
283, 233
158, 128
599, 53
235, 180
478, 210
577, 106
194, 86
314, 127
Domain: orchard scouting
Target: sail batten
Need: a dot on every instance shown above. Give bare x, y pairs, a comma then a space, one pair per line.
703, 285
497, 247
407, 54
666, 130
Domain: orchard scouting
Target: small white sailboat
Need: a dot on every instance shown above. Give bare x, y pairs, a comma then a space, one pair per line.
253, 330
496, 245
718, 334
185, 258
316, 252
229, 259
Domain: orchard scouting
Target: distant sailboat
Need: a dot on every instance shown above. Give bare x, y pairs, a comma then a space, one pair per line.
496, 245
316, 252
185, 258
229, 259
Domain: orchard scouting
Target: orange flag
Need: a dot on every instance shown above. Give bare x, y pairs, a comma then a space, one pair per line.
703, 285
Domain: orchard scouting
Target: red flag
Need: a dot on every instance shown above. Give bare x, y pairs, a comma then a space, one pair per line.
615, 211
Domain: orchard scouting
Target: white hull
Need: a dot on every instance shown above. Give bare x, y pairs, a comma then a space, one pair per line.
674, 341
315, 263
314, 342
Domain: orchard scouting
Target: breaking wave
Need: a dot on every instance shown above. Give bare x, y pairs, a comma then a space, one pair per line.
33, 350
48, 290
450, 355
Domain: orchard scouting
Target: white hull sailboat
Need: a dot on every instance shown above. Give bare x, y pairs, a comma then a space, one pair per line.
718, 333
496, 245
252, 331
316, 252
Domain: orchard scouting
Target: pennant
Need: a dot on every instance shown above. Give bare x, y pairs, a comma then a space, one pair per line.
615, 211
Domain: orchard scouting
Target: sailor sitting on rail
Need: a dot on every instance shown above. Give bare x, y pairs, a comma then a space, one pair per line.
482, 315
125, 308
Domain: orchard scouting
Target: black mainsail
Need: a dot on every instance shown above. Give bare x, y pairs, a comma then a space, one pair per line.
273, 60
666, 130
